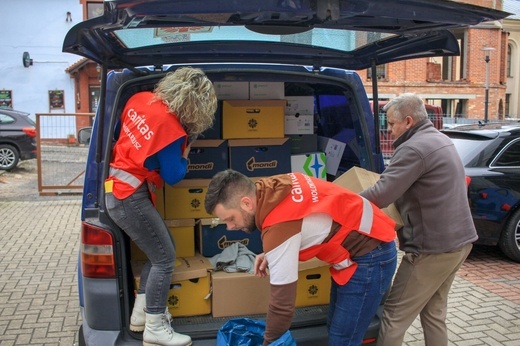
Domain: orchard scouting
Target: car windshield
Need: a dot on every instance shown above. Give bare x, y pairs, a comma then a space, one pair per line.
343, 40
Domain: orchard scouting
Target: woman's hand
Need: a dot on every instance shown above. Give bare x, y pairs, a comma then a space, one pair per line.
261, 265
187, 151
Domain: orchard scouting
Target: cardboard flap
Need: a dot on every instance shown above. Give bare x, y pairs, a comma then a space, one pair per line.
256, 142
208, 143
179, 222
194, 267
193, 183
255, 103
312, 263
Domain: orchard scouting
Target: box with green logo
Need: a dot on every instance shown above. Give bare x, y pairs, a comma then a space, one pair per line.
312, 164
260, 157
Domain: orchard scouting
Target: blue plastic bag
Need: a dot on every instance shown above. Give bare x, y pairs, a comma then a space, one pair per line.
248, 332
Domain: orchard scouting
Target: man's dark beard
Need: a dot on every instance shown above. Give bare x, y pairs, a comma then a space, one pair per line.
250, 222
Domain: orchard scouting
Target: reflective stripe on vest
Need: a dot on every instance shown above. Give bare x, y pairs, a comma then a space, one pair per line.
367, 217
125, 177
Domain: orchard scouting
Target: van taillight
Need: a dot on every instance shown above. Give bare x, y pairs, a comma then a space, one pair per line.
97, 252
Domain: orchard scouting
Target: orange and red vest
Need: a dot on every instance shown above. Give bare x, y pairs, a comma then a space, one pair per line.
353, 212
147, 126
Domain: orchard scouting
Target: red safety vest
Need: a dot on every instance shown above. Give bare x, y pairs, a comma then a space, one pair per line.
353, 212
147, 126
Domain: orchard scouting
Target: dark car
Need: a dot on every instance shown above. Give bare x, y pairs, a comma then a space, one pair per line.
17, 138
307, 49
491, 157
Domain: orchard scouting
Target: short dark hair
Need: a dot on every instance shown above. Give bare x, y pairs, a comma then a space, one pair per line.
226, 188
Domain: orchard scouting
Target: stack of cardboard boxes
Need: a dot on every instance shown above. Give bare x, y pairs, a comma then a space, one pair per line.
260, 132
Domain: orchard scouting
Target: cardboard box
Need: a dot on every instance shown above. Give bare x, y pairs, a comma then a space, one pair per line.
266, 90
182, 231
185, 200
334, 150
260, 157
313, 288
232, 90
314, 281
312, 164
299, 124
358, 179
213, 237
214, 132
301, 144
236, 294
299, 105
206, 158
253, 119
190, 287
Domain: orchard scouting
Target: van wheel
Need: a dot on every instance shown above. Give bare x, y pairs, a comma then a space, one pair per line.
9, 157
81, 337
510, 238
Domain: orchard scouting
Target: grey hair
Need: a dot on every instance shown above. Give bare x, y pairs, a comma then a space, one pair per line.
227, 188
407, 104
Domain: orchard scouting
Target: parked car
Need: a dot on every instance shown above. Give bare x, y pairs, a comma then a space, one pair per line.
17, 138
491, 157
310, 48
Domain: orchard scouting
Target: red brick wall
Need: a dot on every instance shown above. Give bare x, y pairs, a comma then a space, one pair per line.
412, 75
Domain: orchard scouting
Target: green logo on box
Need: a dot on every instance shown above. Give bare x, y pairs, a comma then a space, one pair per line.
315, 166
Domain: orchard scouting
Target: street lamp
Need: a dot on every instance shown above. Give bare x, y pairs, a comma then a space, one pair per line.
487, 51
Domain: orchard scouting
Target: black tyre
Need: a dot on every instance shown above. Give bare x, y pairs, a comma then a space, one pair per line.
510, 238
81, 337
9, 157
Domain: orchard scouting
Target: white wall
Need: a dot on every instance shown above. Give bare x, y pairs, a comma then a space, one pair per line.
37, 27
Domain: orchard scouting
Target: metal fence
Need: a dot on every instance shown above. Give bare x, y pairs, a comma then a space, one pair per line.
61, 159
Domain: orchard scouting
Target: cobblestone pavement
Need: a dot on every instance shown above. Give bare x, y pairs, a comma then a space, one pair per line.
38, 292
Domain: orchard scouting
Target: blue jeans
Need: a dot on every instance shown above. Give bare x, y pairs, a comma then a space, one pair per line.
137, 216
354, 305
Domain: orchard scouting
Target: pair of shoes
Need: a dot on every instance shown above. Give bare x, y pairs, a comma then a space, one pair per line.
159, 332
157, 327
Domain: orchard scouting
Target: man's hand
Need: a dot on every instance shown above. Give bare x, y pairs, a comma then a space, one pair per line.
261, 265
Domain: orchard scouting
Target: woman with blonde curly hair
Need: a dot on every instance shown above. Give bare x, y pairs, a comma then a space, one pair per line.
157, 129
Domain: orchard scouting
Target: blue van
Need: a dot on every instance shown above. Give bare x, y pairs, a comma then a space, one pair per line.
305, 48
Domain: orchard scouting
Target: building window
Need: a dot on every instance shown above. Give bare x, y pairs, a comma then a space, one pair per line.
454, 67
508, 100
508, 62
380, 72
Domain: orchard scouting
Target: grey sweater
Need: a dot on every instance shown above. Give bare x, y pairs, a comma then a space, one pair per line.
425, 179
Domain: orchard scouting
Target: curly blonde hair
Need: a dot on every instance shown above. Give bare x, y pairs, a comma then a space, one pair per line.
190, 95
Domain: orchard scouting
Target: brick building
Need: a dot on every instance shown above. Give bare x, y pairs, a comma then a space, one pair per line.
457, 84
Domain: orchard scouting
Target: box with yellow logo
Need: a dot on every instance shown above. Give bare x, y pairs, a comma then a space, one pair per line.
253, 119
313, 287
185, 200
182, 230
190, 287
260, 157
